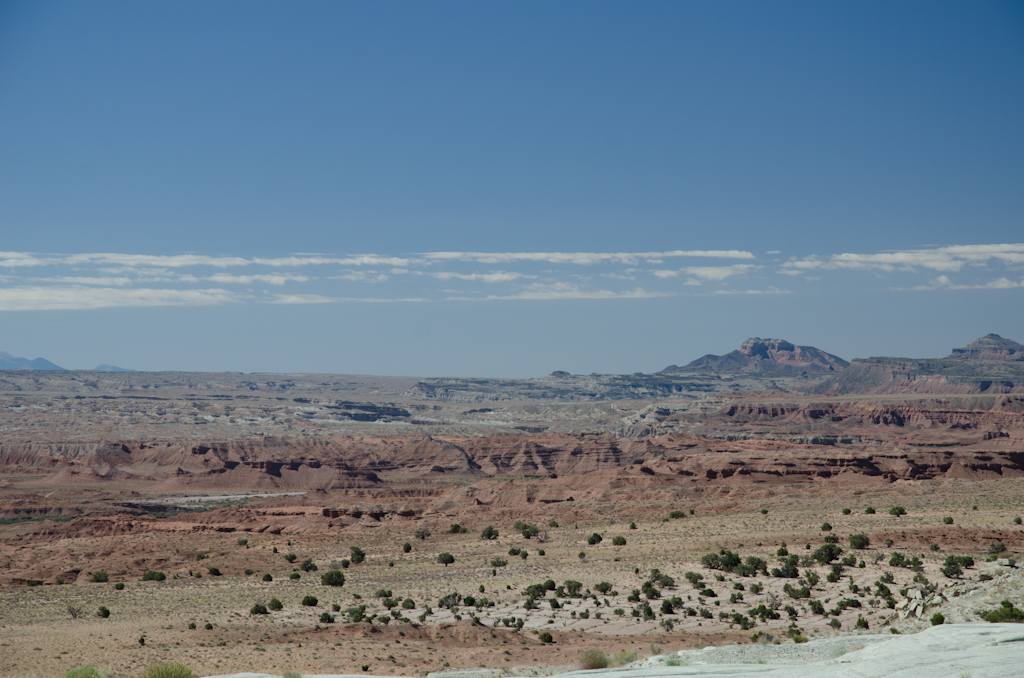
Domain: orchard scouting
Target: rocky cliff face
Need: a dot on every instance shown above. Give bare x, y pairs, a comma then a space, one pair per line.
990, 347
766, 356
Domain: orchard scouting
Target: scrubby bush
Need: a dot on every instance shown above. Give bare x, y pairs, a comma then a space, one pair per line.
119, 586
84, 672
291, 557
675, 515
268, 577
826, 553
153, 575
103, 612
869, 510
489, 533
593, 659
846, 511
308, 565
259, 608
546, 638
445, 559
948, 520
214, 572
897, 511
168, 670
603, 587
275, 605
100, 577
294, 575
937, 619
326, 618
406, 547
826, 527
332, 578
859, 541
456, 528
552, 524
1006, 612
594, 539
358, 555
408, 604
498, 562
309, 601
208, 626
618, 541
1017, 521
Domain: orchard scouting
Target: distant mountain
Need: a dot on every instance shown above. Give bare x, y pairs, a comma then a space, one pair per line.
111, 368
765, 356
989, 347
10, 362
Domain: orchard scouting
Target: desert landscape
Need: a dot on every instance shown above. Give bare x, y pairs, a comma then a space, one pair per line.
327, 524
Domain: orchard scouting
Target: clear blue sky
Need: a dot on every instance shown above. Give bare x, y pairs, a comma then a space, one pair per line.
506, 189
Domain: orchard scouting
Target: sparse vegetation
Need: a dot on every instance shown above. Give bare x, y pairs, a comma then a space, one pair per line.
332, 578
897, 511
310, 601
445, 559
593, 659
100, 577
168, 670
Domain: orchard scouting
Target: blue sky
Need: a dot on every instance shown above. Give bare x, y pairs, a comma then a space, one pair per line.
506, 189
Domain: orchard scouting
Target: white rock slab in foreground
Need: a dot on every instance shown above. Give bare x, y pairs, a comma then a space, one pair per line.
946, 651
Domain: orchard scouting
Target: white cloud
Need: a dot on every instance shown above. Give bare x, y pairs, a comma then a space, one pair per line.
359, 276
86, 280
706, 272
946, 259
12, 259
318, 299
497, 276
770, 290
943, 282
53, 298
580, 258
272, 279
540, 291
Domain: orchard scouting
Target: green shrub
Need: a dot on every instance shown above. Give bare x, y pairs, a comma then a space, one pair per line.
498, 562
675, 515
214, 572
546, 638
294, 575
408, 604
951, 568
275, 605
846, 511
332, 578
167, 670
937, 619
859, 541
552, 523
862, 623
632, 526
948, 520
897, 511
358, 555
594, 539
826, 527
258, 608
308, 565
119, 586
593, 659
1017, 521
445, 559
406, 547
309, 601
153, 575
1006, 612
457, 529
326, 618
249, 571
103, 612
84, 672
540, 552
291, 557
869, 510
100, 577
619, 541
268, 577
208, 626
764, 512
489, 533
